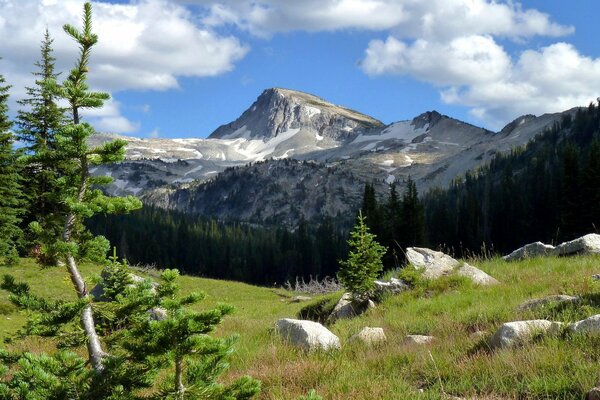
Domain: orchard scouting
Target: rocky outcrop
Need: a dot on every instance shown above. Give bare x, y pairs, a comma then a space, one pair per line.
530, 250
436, 264
544, 301
308, 335
369, 336
588, 244
584, 245
393, 286
514, 333
418, 339
589, 325
348, 307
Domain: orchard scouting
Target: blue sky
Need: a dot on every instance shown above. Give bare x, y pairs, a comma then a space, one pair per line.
181, 68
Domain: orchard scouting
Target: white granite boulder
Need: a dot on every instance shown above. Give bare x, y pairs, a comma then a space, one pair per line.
514, 333
369, 336
530, 250
308, 335
418, 339
544, 301
584, 245
436, 264
476, 275
348, 307
589, 325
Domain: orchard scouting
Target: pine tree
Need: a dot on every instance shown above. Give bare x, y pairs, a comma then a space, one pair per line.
76, 187
358, 273
10, 188
413, 216
37, 123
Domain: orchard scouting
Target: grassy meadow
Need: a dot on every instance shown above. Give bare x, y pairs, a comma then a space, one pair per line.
460, 315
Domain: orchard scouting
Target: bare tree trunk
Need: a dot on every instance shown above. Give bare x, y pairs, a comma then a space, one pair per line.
179, 377
94, 347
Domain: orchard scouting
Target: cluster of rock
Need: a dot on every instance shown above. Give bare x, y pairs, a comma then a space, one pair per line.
588, 244
436, 264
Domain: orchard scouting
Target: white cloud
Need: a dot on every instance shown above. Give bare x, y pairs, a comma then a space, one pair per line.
145, 45
109, 119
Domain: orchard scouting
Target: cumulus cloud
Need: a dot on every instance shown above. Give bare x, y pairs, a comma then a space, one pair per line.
145, 45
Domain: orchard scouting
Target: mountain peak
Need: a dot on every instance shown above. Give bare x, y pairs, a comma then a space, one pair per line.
279, 110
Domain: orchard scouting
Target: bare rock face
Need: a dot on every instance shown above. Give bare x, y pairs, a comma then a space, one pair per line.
514, 333
394, 286
589, 325
530, 250
348, 307
436, 264
369, 336
544, 301
476, 275
584, 245
308, 335
418, 339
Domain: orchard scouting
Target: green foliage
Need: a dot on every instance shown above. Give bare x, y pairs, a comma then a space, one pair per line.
319, 310
363, 265
312, 395
10, 187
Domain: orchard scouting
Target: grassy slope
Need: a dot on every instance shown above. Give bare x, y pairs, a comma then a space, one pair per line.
451, 310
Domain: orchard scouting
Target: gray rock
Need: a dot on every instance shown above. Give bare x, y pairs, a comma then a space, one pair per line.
394, 286
518, 332
544, 301
476, 275
434, 264
308, 335
157, 313
347, 307
299, 299
369, 336
418, 339
589, 325
530, 250
584, 245
596, 277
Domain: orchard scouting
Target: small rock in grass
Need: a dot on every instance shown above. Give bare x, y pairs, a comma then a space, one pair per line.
394, 286
348, 307
596, 277
418, 339
530, 250
299, 299
514, 333
369, 336
544, 301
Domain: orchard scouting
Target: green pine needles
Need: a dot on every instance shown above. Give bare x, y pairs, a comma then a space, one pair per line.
358, 273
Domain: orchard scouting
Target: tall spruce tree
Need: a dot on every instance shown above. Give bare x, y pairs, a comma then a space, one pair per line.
38, 122
10, 188
76, 188
413, 216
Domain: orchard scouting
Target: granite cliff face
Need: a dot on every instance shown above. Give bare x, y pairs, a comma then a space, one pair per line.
284, 124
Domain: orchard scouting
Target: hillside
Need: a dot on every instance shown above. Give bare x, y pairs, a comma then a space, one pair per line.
452, 310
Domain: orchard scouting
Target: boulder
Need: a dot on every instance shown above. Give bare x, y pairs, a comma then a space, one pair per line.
476, 275
584, 245
394, 286
589, 325
513, 333
308, 335
418, 339
544, 301
157, 313
369, 336
348, 307
434, 264
530, 250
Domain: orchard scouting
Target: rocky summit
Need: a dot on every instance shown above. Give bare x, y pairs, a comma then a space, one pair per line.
285, 124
